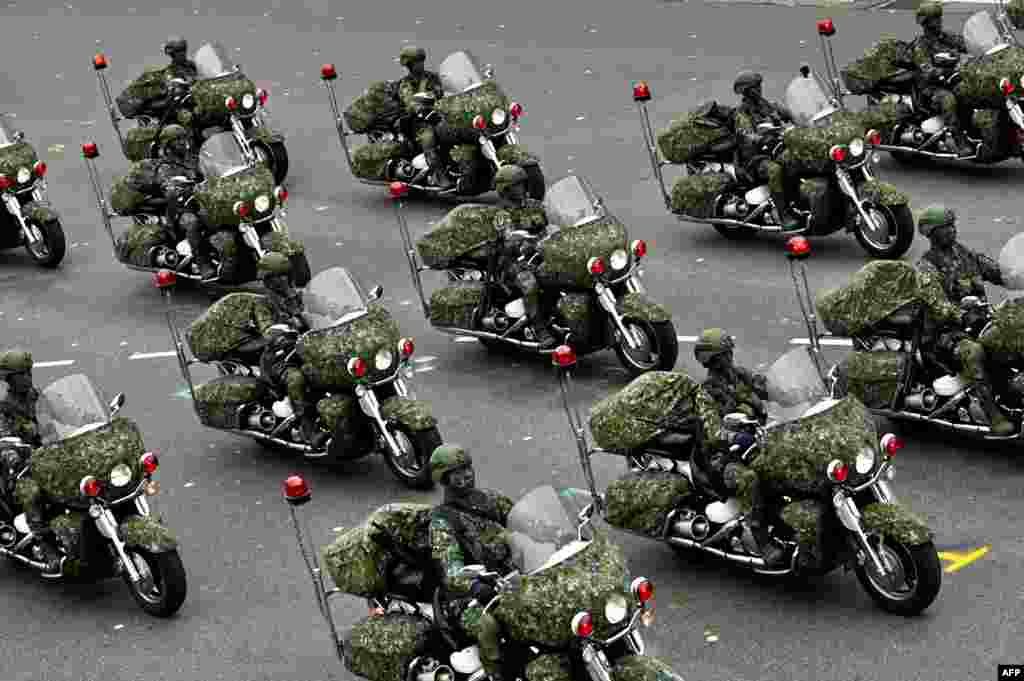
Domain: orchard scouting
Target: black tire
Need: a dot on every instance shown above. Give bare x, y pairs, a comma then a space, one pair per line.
53, 247
535, 186
661, 336
735, 233
909, 159
168, 581
301, 270
423, 443
902, 220
276, 159
926, 578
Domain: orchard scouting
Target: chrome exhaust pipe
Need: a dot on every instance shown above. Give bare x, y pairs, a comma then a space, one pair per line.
930, 154
697, 527
453, 331
742, 560
162, 256
8, 536
922, 401
27, 561
261, 419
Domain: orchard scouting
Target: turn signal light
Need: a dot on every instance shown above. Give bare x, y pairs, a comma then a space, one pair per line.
838, 471
480, 123
281, 194
837, 153
873, 137
1006, 86
357, 367
328, 72
564, 356
263, 96
406, 347
149, 463
242, 209
639, 248
6, 182
40, 168
826, 27
165, 278
90, 486
891, 444
515, 110
642, 589
583, 625
798, 247
231, 103
596, 265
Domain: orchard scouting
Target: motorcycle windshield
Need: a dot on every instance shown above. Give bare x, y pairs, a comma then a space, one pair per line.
220, 156
8, 131
1011, 263
982, 35
571, 202
213, 61
795, 388
543, 529
333, 297
460, 72
808, 102
70, 406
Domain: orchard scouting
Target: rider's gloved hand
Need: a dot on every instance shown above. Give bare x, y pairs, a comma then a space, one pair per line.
482, 592
741, 442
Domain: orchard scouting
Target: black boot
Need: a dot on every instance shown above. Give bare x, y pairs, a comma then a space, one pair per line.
51, 557
200, 258
772, 553
787, 218
1000, 425
964, 148
204, 265
543, 335
311, 433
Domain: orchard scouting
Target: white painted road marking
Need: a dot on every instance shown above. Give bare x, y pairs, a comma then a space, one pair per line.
153, 355
58, 363
842, 342
687, 339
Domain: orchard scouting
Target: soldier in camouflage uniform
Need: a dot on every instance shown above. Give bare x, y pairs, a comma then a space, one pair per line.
468, 529
934, 92
426, 128
419, 78
18, 398
517, 261
960, 272
275, 270
755, 110
180, 67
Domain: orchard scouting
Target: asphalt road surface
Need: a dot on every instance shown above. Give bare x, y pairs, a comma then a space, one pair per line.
250, 615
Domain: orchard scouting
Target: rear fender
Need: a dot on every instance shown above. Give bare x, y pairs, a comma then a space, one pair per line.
146, 532
639, 306
413, 414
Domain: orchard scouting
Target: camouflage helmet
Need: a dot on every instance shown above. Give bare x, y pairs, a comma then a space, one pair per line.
448, 458
14, 361
175, 44
173, 132
712, 343
933, 217
273, 263
928, 10
507, 177
746, 80
411, 54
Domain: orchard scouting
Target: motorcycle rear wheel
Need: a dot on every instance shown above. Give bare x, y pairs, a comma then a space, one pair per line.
163, 589
922, 572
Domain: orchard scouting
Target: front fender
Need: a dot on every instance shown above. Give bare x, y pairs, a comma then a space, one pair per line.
264, 135
40, 212
413, 414
895, 522
518, 155
883, 193
146, 532
639, 306
643, 668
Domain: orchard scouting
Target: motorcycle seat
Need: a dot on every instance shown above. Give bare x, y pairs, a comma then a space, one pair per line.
702, 480
677, 446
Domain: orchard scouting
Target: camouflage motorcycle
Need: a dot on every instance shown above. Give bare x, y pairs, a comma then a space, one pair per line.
886, 369
831, 451
221, 98
828, 146
238, 203
477, 112
588, 270
569, 613
28, 219
986, 86
96, 475
354, 361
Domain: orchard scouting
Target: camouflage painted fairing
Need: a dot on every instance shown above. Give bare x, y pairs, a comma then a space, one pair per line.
355, 561
896, 522
378, 104
124, 198
565, 254
542, 610
325, 353
223, 326
59, 468
218, 195
877, 64
802, 517
149, 85
380, 647
209, 95
881, 117
694, 195
1006, 334
688, 136
812, 145
979, 85
460, 110
549, 667
462, 230
874, 292
632, 416
370, 161
799, 451
641, 501
15, 157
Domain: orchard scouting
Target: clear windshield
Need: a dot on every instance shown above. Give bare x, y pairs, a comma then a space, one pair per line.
794, 386
982, 35
69, 405
1011, 263
221, 156
543, 531
333, 296
808, 102
460, 72
213, 60
8, 131
571, 201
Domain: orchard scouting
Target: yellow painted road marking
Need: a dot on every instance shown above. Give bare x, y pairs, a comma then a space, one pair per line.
960, 559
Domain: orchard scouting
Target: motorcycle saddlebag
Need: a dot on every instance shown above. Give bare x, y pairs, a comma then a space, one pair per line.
641, 501
379, 647
370, 161
225, 325
874, 378
218, 401
453, 305
695, 194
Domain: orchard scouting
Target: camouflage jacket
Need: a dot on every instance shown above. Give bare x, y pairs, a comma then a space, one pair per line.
528, 217
410, 85
961, 271
924, 47
286, 310
152, 177
702, 406
133, 104
749, 114
470, 531
18, 416
737, 390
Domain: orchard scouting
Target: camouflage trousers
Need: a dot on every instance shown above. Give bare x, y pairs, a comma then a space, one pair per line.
966, 356
942, 102
487, 630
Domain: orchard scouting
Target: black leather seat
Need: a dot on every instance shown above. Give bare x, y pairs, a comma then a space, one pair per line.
675, 445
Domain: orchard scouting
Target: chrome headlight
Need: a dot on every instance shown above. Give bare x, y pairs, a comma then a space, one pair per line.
857, 147
262, 203
619, 259
615, 609
498, 117
120, 475
24, 175
248, 101
865, 461
383, 359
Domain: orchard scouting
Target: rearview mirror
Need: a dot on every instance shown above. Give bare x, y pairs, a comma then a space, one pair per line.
737, 420
472, 571
376, 292
19, 136
805, 71
489, 71
116, 403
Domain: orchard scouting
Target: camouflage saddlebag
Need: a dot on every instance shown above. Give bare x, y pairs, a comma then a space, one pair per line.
380, 647
218, 401
696, 132
376, 109
225, 325
642, 501
356, 562
875, 378
820, 201
575, 309
455, 304
136, 243
878, 63
370, 161
67, 527
630, 417
464, 229
1004, 339
138, 141
695, 195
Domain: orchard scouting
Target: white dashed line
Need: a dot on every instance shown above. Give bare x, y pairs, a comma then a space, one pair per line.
153, 355
842, 342
58, 363
687, 339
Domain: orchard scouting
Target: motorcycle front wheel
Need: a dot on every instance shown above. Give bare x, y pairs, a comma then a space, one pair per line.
412, 464
657, 352
895, 239
275, 157
49, 251
163, 586
914, 581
